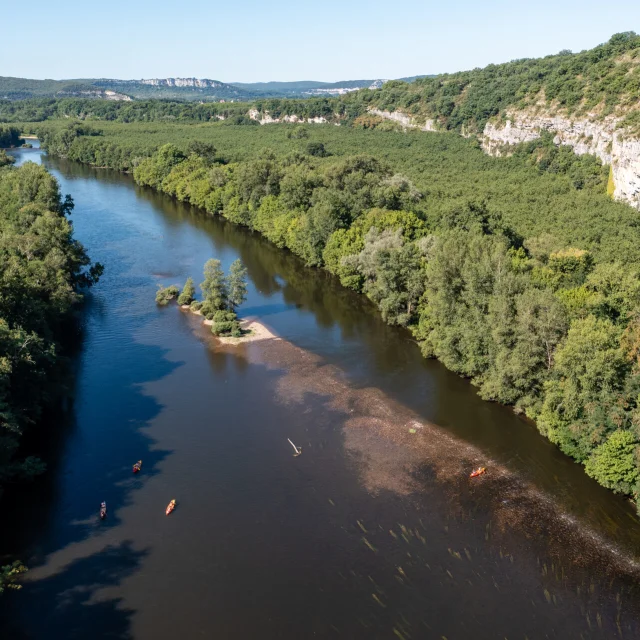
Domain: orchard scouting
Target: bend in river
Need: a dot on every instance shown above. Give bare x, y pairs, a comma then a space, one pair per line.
375, 531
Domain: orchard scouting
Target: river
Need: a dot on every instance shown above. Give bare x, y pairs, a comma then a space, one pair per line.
375, 531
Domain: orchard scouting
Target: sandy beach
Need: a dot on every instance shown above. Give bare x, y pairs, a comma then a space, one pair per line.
255, 331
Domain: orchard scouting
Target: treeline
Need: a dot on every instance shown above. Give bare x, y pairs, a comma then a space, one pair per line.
42, 272
9, 137
532, 321
607, 76
40, 109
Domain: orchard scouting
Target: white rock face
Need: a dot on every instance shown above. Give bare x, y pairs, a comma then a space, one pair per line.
265, 118
404, 119
601, 138
181, 82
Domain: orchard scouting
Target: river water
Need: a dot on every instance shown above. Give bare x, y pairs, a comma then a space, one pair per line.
375, 531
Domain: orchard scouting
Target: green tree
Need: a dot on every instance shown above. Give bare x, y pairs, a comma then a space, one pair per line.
237, 284
582, 399
613, 463
9, 575
214, 288
5, 158
203, 149
188, 294
164, 295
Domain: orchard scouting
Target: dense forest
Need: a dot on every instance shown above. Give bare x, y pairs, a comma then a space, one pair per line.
39, 109
42, 273
519, 273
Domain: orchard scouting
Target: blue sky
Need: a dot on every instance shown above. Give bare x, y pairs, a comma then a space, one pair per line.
251, 41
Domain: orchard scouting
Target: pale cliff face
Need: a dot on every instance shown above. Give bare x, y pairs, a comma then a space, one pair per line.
403, 119
601, 138
265, 118
181, 82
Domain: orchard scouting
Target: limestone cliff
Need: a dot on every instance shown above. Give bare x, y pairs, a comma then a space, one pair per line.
601, 137
265, 118
404, 120
183, 82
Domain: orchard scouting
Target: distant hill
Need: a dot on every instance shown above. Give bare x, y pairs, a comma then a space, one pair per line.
23, 89
306, 88
113, 89
176, 89
190, 89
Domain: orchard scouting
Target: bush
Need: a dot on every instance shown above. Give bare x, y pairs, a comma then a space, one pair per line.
317, 149
225, 323
164, 295
612, 463
208, 309
196, 305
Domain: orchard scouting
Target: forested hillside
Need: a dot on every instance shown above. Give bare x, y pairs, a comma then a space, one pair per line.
605, 78
518, 273
42, 272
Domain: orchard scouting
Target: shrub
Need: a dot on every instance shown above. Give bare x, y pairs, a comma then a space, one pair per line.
165, 294
225, 323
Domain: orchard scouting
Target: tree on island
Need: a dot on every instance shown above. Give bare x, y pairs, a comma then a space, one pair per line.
237, 284
188, 294
214, 288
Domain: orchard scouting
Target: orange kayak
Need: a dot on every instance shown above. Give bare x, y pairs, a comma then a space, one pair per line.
170, 507
478, 472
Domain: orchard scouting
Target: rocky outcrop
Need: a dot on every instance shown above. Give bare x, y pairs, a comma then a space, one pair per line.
94, 93
404, 119
265, 118
600, 137
183, 82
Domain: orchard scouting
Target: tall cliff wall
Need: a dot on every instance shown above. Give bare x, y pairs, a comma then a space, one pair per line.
602, 138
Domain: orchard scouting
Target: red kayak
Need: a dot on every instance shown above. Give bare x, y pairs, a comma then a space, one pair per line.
137, 466
170, 507
103, 511
478, 472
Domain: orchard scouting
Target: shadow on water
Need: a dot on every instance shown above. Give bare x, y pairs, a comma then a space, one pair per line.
77, 598
89, 450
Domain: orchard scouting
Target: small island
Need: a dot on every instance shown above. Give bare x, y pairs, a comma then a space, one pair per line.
222, 295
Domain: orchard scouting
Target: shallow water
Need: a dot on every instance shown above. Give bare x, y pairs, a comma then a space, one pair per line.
373, 532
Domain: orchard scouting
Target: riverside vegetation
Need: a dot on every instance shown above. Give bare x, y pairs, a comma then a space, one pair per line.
42, 272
